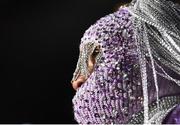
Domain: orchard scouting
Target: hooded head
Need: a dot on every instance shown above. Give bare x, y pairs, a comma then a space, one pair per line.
103, 98
113, 92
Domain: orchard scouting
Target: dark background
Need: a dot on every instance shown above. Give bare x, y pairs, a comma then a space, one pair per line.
39, 51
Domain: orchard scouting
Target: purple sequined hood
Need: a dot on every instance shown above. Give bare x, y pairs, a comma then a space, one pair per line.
113, 92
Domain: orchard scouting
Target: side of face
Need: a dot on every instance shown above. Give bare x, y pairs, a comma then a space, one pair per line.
98, 43
89, 56
105, 77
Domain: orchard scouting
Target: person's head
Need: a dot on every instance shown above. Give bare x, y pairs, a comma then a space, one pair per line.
104, 67
109, 67
99, 46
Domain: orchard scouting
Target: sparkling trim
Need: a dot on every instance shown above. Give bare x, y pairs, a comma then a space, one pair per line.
166, 105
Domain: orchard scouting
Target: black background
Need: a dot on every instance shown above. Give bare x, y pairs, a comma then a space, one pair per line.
39, 50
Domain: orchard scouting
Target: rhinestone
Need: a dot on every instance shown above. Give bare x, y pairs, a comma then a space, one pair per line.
124, 33
92, 92
128, 86
112, 87
102, 64
102, 84
118, 68
105, 99
133, 115
124, 75
115, 113
117, 94
136, 66
87, 109
96, 115
104, 107
112, 97
140, 98
139, 83
134, 87
124, 109
125, 95
104, 116
132, 98
95, 108
130, 91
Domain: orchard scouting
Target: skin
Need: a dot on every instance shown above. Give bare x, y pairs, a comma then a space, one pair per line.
91, 62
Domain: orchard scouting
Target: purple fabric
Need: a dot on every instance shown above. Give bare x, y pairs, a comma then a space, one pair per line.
113, 92
173, 117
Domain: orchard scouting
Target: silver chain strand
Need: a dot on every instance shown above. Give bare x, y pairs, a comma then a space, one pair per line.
143, 74
165, 75
152, 63
159, 21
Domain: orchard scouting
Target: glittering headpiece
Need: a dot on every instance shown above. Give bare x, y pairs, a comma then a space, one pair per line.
157, 32
134, 41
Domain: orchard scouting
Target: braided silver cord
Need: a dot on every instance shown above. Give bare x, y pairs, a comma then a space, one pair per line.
165, 75
152, 63
143, 70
